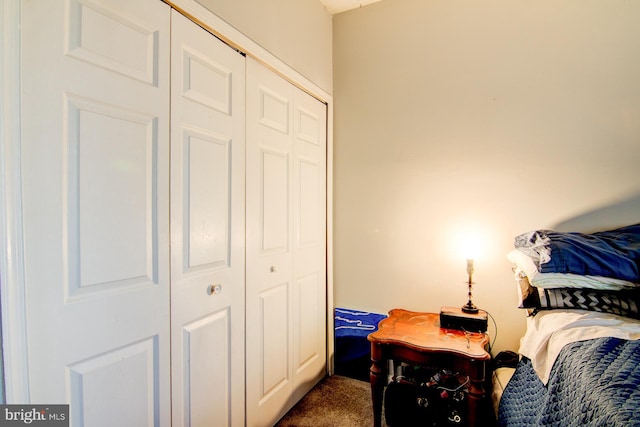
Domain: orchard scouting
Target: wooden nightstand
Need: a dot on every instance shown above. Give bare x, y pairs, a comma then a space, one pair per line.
416, 338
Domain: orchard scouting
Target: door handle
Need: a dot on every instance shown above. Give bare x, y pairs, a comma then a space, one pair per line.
214, 289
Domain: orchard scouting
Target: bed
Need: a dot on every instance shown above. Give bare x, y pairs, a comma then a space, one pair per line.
579, 359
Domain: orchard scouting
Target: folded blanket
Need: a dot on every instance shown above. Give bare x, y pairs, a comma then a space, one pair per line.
548, 332
613, 253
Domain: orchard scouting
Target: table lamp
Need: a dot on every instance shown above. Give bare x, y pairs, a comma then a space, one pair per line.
469, 307
468, 318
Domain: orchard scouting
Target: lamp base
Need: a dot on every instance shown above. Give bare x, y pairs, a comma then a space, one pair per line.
456, 318
469, 308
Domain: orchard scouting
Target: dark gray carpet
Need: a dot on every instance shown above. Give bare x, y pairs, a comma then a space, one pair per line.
336, 401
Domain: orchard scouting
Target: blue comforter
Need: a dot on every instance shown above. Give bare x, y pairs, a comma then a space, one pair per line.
594, 382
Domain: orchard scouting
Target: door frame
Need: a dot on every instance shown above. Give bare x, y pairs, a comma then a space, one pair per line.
14, 375
15, 379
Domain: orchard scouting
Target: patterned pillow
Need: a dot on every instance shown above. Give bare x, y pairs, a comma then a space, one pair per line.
624, 302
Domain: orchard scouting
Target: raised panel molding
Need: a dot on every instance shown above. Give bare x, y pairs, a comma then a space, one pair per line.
105, 146
308, 129
130, 49
308, 327
207, 199
206, 352
206, 82
125, 378
274, 110
309, 184
274, 315
275, 201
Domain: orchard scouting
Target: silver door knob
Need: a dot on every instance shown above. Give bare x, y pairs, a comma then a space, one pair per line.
214, 289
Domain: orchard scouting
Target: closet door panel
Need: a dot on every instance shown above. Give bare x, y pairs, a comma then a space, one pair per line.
269, 246
207, 344
207, 164
95, 152
274, 315
207, 228
308, 331
309, 251
286, 235
274, 172
102, 138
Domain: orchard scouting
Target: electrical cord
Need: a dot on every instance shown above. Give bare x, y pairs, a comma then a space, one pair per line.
495, 335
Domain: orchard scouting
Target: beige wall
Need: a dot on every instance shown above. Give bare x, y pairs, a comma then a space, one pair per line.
495, 116
298, 32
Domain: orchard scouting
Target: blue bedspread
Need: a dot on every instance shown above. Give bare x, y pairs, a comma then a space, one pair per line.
594, 382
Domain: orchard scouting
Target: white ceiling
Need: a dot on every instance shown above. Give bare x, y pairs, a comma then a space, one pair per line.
337, 6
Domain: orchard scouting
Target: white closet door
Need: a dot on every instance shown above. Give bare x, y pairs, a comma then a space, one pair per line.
207, 228
96, 200
286, 283
309, 241
269, 313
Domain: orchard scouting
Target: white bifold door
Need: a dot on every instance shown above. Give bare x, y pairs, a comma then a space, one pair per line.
95, 168
286, 244
174, 216
207, 228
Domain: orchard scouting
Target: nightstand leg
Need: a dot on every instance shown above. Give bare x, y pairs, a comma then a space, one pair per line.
476, 393
377, 377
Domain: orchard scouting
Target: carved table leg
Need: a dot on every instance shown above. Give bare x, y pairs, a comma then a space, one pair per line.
377, 377
476, 392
